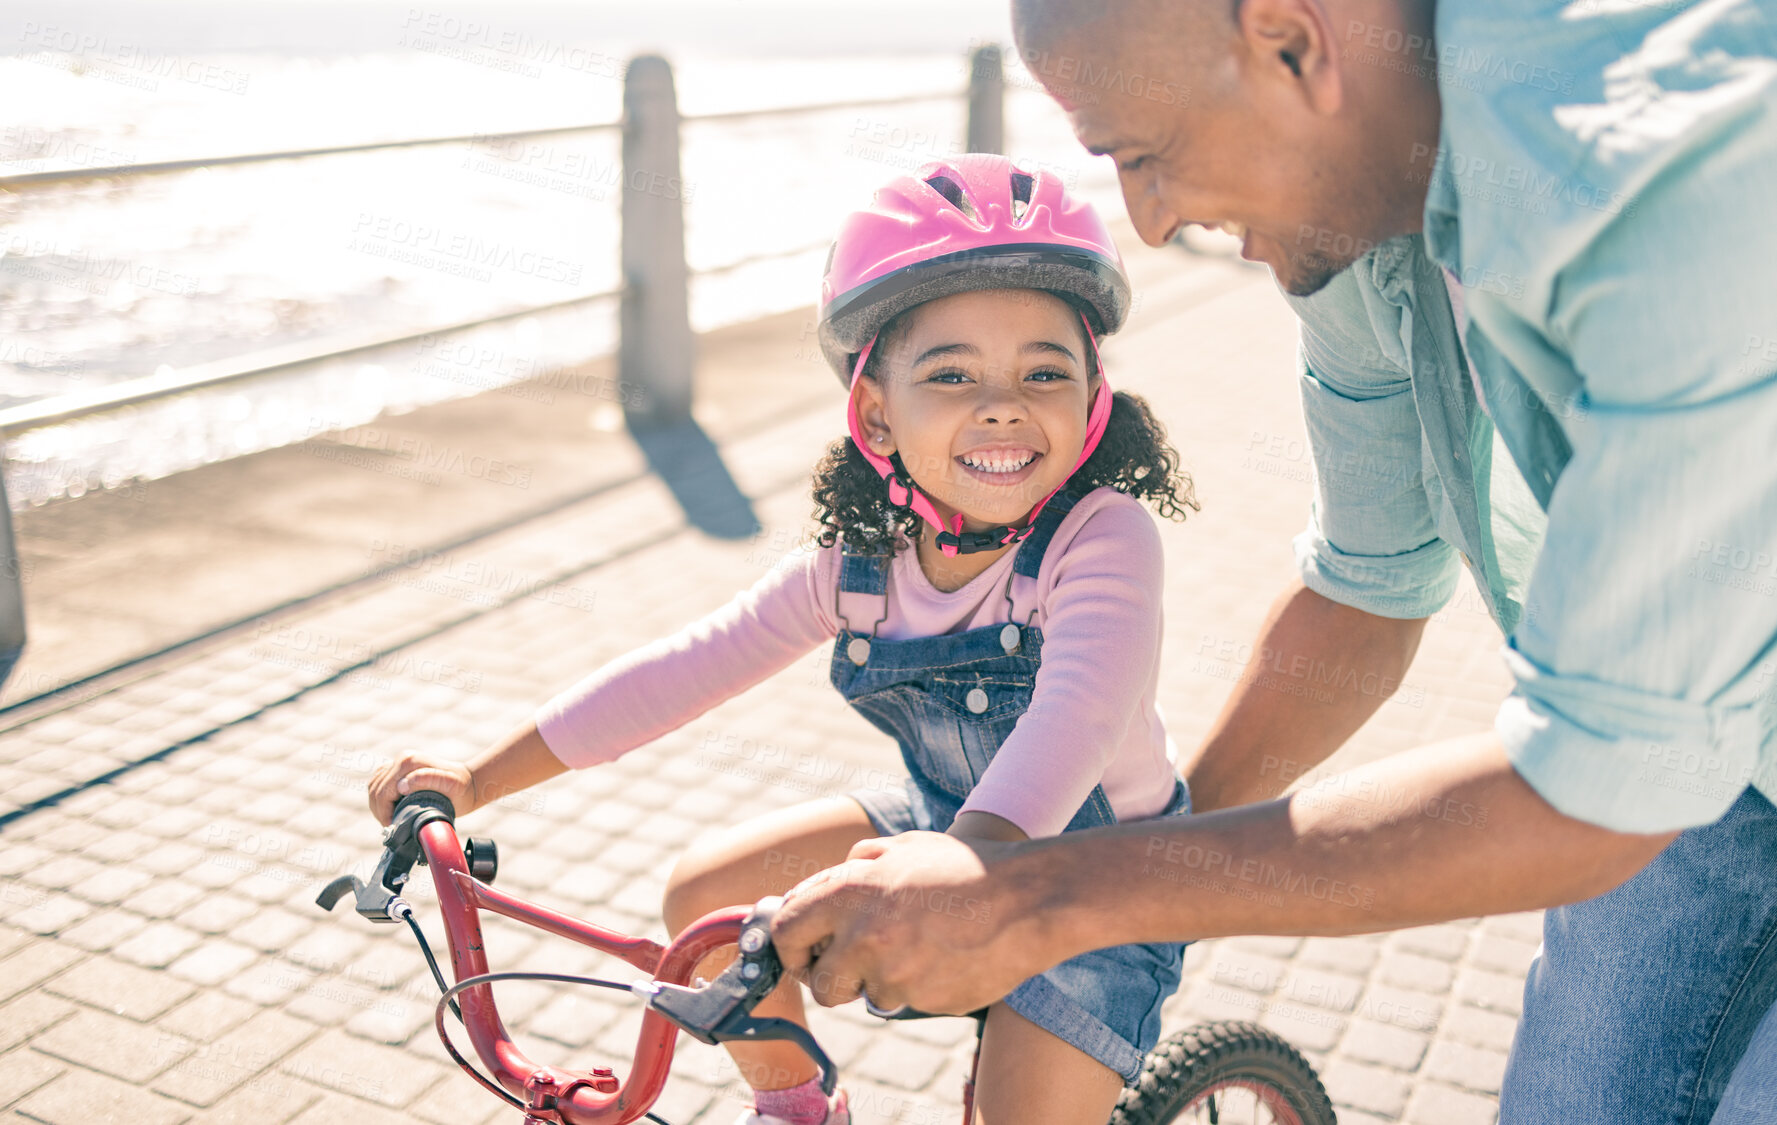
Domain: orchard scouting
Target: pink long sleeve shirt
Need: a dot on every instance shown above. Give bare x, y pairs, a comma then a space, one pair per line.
1092, 718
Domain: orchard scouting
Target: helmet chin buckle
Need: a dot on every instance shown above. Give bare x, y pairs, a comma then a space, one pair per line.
969, 542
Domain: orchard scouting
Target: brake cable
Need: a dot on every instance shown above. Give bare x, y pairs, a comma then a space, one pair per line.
449, 997
403, 911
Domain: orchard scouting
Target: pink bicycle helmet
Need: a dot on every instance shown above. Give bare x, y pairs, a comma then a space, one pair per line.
973, 222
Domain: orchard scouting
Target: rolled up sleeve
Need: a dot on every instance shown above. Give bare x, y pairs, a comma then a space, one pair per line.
1372, 541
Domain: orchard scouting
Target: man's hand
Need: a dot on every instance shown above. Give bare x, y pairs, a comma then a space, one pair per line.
923, 919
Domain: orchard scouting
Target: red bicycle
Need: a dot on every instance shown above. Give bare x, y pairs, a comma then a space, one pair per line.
1220, 1072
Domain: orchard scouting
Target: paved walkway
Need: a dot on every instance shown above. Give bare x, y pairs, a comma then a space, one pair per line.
161, 959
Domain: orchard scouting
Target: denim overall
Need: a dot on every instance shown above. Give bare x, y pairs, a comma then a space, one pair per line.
950, 701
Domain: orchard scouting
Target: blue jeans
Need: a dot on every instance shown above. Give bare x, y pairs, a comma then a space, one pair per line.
1653, 1004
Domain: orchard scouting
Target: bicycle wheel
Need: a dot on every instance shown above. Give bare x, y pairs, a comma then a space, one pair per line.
1222, 1074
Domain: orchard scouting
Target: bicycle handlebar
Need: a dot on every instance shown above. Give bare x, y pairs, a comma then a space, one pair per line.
423, 829
428, 799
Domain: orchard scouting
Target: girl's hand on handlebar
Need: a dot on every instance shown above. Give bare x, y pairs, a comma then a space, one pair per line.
413, 771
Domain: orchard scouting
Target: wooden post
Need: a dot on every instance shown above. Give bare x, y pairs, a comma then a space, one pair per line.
12, 592
654, 349
987, 101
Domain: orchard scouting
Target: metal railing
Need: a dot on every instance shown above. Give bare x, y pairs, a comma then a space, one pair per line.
68, 407
654, 351
132, 171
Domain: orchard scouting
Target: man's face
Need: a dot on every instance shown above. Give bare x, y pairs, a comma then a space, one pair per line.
1177, 168
1232, 136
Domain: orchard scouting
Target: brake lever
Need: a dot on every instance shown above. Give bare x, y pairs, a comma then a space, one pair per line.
380, 899
719, 1005
721, 1010
753, 1029
336, 890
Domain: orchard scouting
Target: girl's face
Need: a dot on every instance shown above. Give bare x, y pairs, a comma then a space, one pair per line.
984, 395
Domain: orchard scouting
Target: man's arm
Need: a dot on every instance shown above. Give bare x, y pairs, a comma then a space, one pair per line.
1445, 831
1265, 737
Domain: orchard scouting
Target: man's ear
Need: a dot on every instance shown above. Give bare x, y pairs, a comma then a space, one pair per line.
873, 417
1293, 42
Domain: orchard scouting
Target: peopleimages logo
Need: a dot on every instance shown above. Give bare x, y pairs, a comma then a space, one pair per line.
1262, 875
24, 143
455, 251
1512, 185
1455, 63
506, 48
127, 64
72, 266
1084, 84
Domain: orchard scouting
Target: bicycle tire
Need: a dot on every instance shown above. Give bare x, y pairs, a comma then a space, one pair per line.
1188, 1064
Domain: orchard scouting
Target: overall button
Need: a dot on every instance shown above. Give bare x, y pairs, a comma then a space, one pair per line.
858, 651
1010, 638
976, 700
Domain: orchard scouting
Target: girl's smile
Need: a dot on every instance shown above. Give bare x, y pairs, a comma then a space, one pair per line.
1000, 466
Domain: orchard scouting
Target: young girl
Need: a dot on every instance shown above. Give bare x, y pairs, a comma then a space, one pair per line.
991, 587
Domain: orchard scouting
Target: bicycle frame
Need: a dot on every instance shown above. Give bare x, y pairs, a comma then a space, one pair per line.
715, 1011
551, 1094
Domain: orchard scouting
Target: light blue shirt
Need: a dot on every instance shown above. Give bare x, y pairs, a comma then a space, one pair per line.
1599, 445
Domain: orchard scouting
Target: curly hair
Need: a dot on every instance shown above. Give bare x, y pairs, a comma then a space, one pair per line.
1133, 457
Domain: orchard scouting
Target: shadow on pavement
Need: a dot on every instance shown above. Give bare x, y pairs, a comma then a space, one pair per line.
684, 457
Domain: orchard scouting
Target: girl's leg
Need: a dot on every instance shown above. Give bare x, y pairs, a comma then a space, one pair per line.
764, 856
1029, 1076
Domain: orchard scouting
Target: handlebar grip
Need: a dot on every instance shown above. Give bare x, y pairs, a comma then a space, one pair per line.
426, 799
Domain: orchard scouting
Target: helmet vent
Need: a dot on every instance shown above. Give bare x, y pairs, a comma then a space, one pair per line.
1022, 183
953, 191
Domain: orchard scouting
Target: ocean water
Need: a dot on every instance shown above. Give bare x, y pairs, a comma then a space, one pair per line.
110, 280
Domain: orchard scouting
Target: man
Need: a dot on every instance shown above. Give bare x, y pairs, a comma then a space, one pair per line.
1531, 245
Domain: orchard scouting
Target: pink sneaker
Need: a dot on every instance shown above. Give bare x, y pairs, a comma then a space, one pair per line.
838, 1113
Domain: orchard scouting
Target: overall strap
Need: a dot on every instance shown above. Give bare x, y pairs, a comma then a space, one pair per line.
861, 573
1031, 551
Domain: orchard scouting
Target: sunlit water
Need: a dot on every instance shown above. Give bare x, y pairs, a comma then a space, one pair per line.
117, 279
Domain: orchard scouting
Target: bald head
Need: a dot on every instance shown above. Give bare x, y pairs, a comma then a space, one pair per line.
1062, 41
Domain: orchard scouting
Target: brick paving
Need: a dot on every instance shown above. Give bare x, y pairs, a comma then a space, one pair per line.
162, 960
